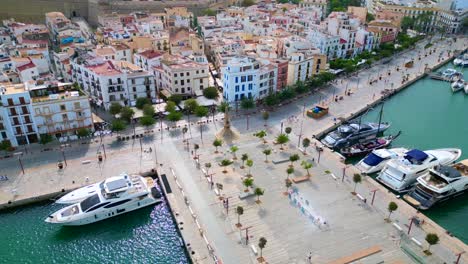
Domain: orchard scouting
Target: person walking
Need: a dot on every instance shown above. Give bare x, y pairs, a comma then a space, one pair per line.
309, 257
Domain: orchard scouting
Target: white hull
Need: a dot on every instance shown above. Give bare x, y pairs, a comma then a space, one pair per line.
78, 195
410, 173
367, 169
466, 88
102, 214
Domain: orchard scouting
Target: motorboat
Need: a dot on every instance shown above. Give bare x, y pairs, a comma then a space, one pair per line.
117, 195
350, 133
461, 60
439, 184
80, 194
449, 73
458, 85
366, 146
400, 174
466, 88
376, 160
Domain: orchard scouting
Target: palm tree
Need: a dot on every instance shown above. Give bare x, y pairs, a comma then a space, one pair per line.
261, 135
244, 158
306, 165
289, 171
233, 151
217, 143
259, 192
288, 184
392, 206
267, 152
248, 182
282, 139
207, 166
261, 244
356, 179
305, 144
293, 158
239, 211
224, 163
196, 147
249, 164
431, 239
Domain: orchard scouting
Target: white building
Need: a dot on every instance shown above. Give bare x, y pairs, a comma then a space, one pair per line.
302, 65
246, 77
113, 81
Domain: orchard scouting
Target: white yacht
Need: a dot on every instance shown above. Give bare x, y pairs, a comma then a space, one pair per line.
439, 184
401, 173
376, 160
458, 85
116, 196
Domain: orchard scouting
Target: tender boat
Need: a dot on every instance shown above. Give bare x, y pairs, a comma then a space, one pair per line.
367, 146
376, 160
458, 60
116, 196
458, 85
349, 134
466, 88
448, 73
439, 184
400, 174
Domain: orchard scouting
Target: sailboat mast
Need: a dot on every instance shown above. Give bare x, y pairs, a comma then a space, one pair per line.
380, 121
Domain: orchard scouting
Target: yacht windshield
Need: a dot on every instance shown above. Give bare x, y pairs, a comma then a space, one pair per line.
395, 173
373, 160
89, 202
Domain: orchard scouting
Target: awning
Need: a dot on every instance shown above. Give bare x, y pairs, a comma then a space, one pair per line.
416, 154
96, 119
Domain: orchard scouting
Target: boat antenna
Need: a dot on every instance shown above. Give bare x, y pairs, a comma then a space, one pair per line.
380, 121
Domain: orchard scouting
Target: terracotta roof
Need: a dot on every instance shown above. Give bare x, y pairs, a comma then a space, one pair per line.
106, 68
26, 66
342, 41
150, 54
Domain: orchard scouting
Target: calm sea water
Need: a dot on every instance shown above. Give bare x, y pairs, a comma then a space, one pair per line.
431, 116
148, 235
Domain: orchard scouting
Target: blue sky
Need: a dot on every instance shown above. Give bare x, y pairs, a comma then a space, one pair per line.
462, 4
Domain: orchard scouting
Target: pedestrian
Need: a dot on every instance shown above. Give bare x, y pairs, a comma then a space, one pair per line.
150, 150
309, 257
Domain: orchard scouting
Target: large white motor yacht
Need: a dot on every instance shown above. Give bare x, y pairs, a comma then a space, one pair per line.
376, 160
115, 196
439, 184
401, 173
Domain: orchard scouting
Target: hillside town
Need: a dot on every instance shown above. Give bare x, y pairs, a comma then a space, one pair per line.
258, 131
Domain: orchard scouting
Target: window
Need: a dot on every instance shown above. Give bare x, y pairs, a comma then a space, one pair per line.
133, 81
175, 82
250, 86
62, 108
64, 116
249, 78
134, 89
21, 99
175, 74
243, 78
243, 87
188, 80
30, 129
202, 71
37, 111
77, 105
117, 203
182, 90
197, 71
181, 74
97, 206
24, 110
237, 79
27, 120
237, 88
182, 82
188, 73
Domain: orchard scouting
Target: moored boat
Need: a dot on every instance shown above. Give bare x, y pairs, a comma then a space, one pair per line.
400, 174
458, 85
117, 195
439, 184
349, 134
367, 146
376, 160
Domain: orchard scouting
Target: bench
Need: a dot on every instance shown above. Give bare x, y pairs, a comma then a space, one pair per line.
254, 249
397, 227
416, 242
244, 195
85, 162
216, 191
300, 179
361, 198
280, 161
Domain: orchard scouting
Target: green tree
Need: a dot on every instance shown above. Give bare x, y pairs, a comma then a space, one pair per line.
293, 158
289, 171
225, 163
176, 98
305, 143
300, 87
272, 99
118, 125
174, 116
148, 110
357, 178
115, 108
217, 143
288, 184
5, 145
265, 116
127, 113
209, 12
147, 121
307, 166
244, 158
170, 106
259, 192
190, 105
266, 152
211, 92
282, 139
234, 149
45, 138
246, 3
83, 132
370, 17
261, 244
201, 111
142, 101
407, 23
392, 206
248, 182
288, 130
261, 135
247, 103
208, 166
249, 164
239, 211
223, 107
431, 239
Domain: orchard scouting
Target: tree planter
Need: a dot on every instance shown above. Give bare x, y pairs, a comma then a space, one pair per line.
261, 259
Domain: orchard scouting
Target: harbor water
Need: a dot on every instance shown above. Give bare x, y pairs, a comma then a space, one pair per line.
148, 235
431, 116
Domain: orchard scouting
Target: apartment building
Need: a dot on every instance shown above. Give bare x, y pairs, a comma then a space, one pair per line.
303, 65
